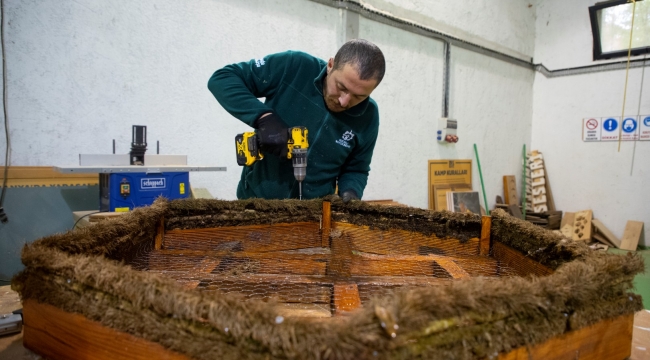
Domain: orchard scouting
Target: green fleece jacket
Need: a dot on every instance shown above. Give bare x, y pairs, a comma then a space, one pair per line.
340, 144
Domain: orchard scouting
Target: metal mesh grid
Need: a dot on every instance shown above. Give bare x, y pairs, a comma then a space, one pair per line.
311, 271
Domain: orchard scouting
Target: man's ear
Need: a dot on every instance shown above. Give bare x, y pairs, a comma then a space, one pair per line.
330, 65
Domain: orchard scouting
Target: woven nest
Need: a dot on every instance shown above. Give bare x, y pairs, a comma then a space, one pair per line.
87, 271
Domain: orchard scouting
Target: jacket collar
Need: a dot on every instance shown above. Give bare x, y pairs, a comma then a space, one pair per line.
354, 111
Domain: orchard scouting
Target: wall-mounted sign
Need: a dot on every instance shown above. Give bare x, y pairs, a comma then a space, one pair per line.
451, 173
591, 129
610, 129
629, 128
644, 126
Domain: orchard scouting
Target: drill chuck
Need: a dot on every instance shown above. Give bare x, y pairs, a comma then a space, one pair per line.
299, 159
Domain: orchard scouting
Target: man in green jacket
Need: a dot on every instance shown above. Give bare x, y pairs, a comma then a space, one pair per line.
331, 99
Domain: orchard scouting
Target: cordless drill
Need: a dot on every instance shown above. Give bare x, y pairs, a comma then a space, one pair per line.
248, 151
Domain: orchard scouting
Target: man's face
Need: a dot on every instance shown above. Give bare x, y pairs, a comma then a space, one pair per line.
344, 89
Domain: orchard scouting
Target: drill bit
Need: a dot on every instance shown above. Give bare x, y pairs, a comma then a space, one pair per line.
299, 159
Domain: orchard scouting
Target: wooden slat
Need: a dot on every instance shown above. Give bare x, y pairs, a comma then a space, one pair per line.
303, 310
19, 176
366, 264
602, 229
341, 259
631, 235
550, 201
194, 261
160, 234
327, 224
346, 298
56, 334
510, 190
607, 339
405, 242
566, 226
523, 265
252, 238
484, 242
453, 269
283, 288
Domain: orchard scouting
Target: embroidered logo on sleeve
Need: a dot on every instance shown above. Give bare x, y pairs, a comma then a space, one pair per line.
259, 62
345, 138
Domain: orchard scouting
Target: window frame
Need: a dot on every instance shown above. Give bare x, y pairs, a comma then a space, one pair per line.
595, 30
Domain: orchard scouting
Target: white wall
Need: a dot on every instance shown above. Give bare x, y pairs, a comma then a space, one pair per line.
82, 72
587, 175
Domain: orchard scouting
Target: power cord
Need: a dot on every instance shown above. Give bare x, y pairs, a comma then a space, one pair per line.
3, 216
76, 222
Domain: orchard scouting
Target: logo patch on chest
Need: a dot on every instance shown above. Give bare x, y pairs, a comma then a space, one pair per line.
345, 138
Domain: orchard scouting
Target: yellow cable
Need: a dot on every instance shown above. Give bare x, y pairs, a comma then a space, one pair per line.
627, 73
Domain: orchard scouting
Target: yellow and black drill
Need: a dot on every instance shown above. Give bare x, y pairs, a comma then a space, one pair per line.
248, 151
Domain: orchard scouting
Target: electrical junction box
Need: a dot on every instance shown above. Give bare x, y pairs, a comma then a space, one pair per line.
446, 127
125, 191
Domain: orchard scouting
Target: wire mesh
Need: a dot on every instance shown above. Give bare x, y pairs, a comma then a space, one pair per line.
314, 272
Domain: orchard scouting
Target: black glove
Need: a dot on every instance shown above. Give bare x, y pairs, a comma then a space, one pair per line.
272, 134
349, 195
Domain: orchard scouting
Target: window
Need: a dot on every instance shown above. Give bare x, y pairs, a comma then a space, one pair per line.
610, 24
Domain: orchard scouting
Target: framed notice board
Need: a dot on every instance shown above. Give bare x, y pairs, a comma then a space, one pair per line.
448, 174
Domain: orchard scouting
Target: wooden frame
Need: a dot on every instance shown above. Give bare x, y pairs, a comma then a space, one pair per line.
350, 266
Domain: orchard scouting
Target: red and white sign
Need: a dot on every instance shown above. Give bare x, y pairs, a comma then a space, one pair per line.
591, 129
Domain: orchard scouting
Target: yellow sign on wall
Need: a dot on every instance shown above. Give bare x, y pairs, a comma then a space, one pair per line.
448, 175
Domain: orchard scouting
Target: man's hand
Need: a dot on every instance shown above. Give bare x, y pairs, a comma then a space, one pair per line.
272, 134
349, 195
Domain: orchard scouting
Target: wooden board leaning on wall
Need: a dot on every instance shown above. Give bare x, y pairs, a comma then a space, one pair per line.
44, 176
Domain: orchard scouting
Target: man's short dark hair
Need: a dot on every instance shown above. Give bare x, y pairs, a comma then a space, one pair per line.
363, 54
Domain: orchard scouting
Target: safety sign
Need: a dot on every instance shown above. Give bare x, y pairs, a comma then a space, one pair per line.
610, 129
630, 129
644, 126
627, 128
591, 129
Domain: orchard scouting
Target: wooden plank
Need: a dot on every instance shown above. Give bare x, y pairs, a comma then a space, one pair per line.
550, 202
160, 234
513, 259
56, 334
515, 211
484, 242
251, 238
455, 271
601, 239
566, 226
341, 259
602, 229
367, 264
397, 241
279, 287
96, 217
193, 261
45, 176
582, 226
327, 224
510, 190
607, 339
346, 298
631, 235
303, 310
